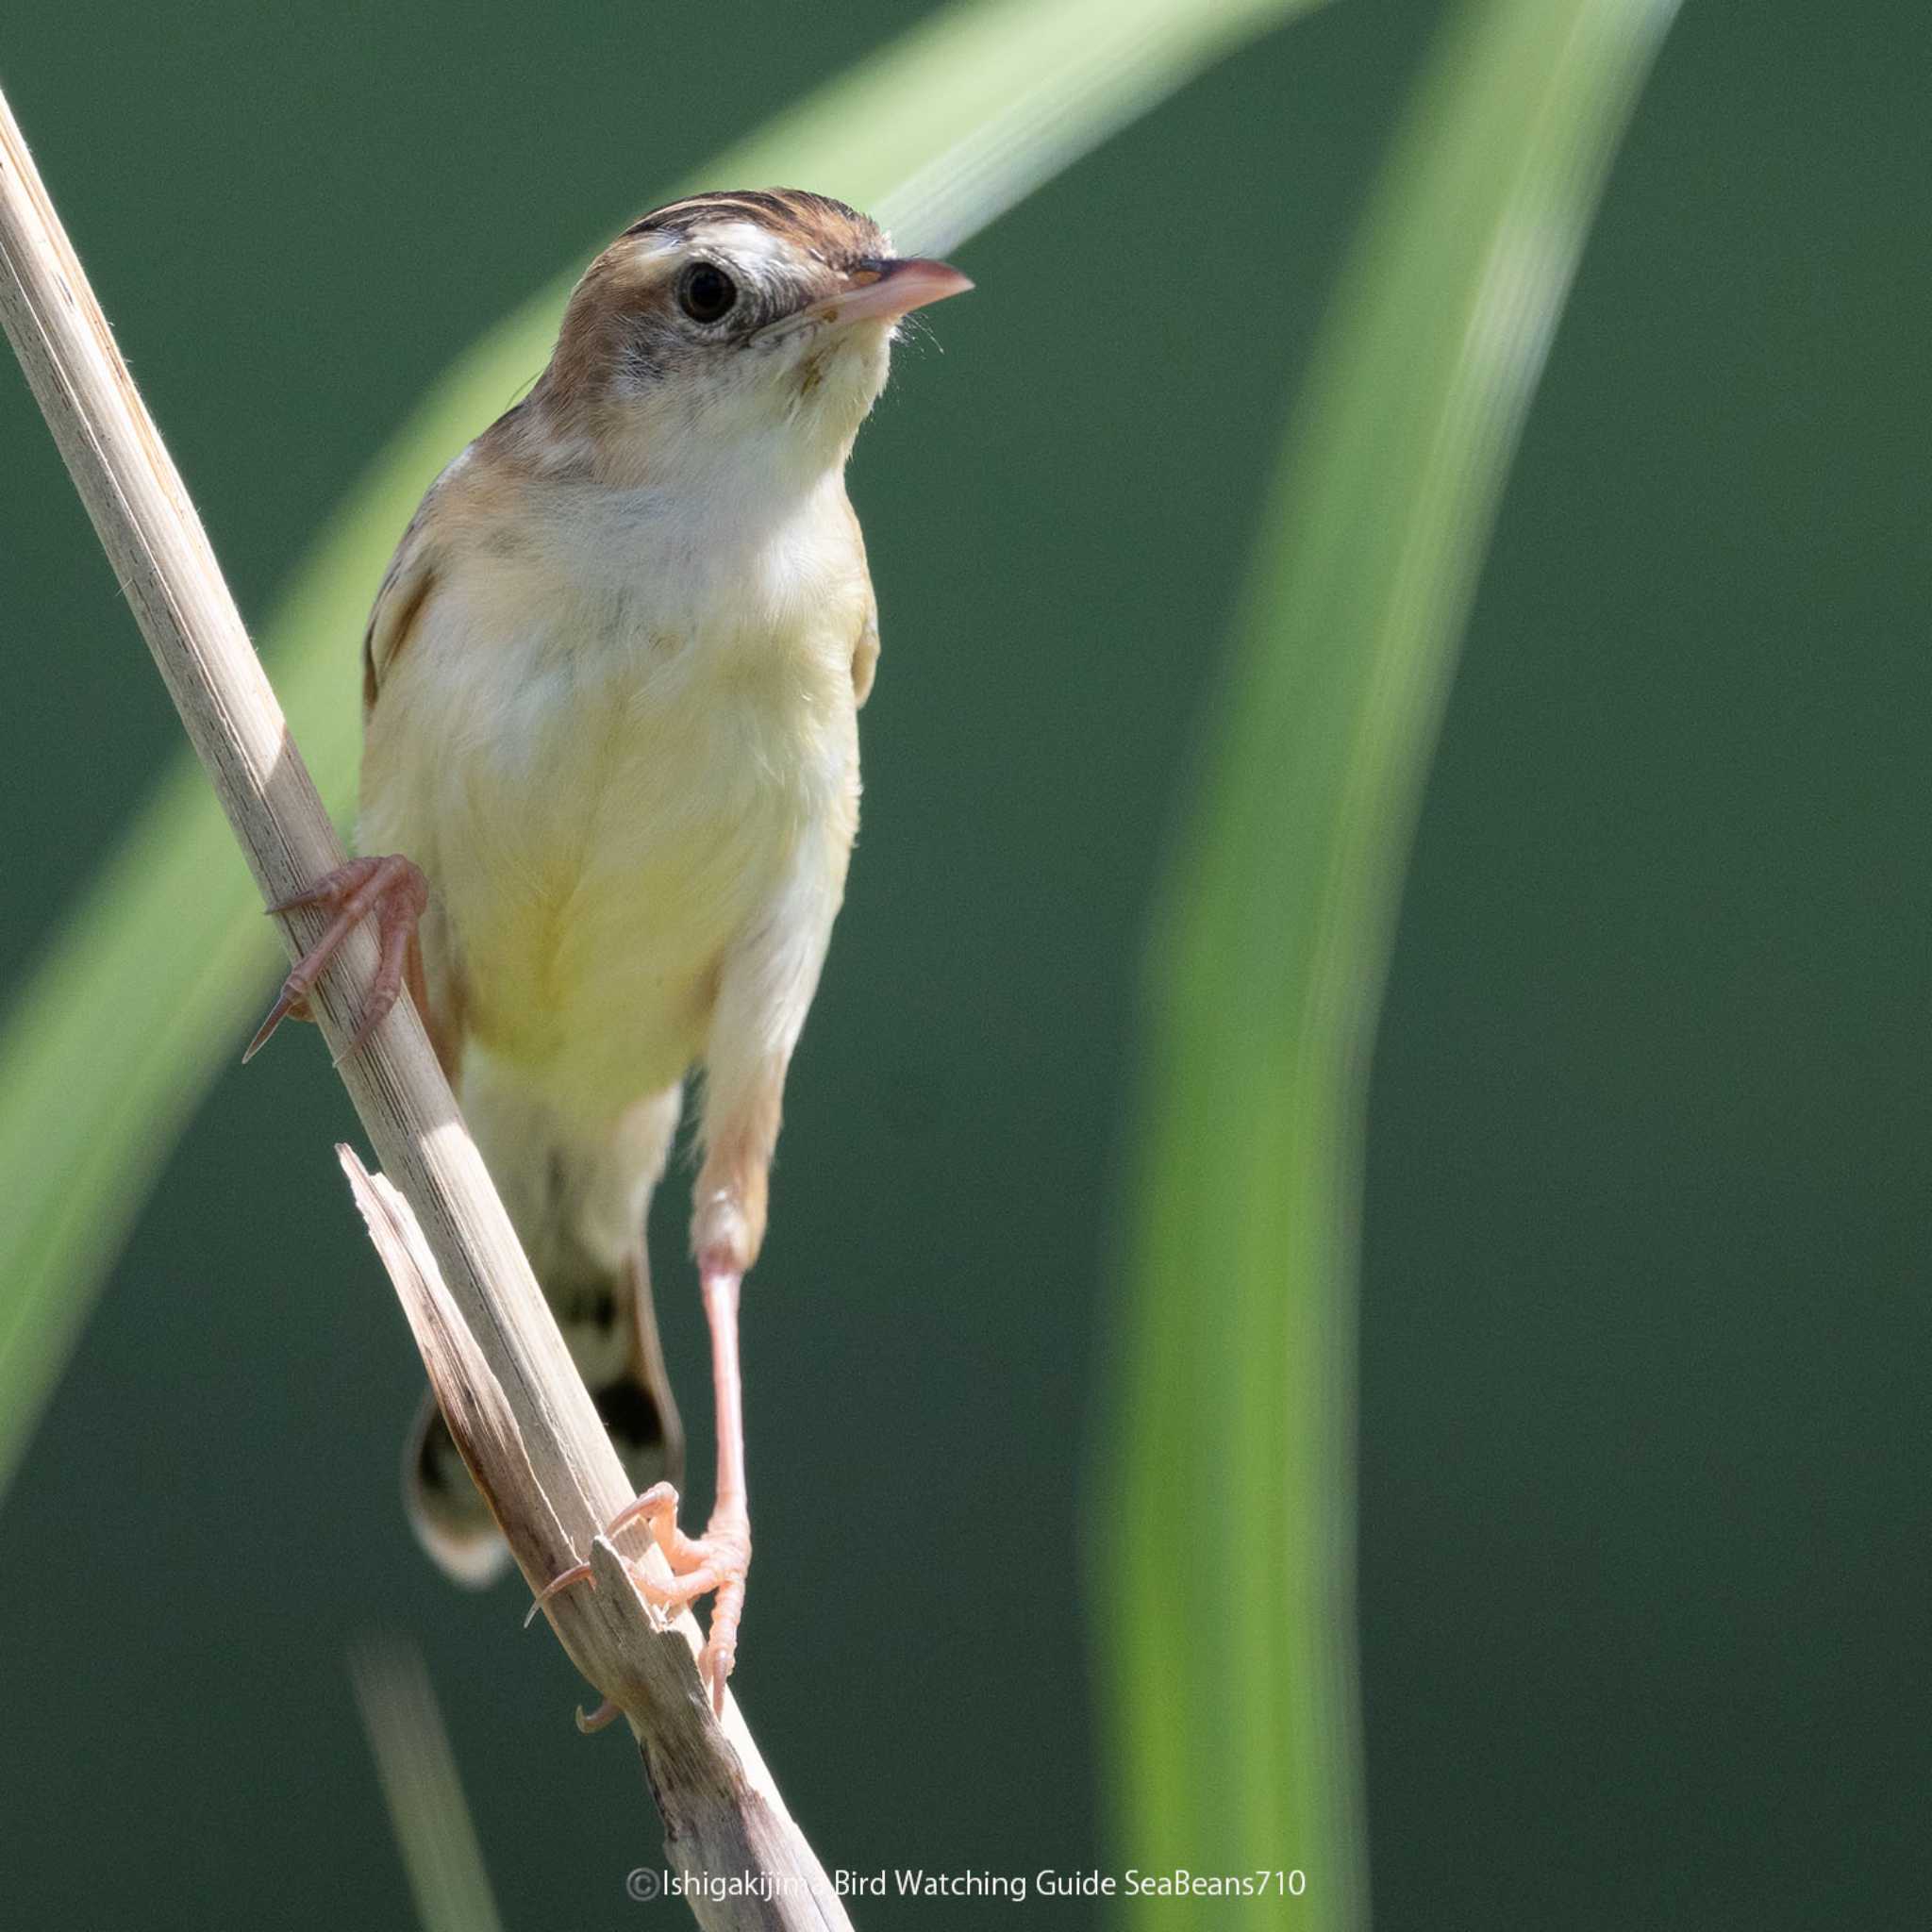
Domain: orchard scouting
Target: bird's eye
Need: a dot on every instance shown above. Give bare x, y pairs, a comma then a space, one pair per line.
705, 292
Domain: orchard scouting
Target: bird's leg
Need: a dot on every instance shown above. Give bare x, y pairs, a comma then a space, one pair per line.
742, 1106
716, 1563
729, 1225
395, 892
744, 1084
718, 1560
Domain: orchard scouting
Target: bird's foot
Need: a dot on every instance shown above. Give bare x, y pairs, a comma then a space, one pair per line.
714, 1565
700, 1565
391, 889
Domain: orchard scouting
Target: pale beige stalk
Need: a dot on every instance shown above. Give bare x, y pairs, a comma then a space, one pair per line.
724, 1817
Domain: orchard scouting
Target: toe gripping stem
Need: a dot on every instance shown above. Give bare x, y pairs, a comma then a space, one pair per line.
391, 889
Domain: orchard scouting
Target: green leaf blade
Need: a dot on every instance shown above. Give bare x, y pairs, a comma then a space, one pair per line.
1230, 1662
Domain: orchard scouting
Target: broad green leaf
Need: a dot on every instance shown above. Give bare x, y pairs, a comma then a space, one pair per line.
157, 973
1228, 1640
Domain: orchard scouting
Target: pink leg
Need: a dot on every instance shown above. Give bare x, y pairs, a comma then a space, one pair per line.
724, 1550
719, 1560
396, 892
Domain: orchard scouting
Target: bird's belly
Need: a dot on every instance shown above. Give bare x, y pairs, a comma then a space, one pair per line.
598, 842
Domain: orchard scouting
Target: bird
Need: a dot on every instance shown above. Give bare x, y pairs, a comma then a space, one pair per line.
611, 785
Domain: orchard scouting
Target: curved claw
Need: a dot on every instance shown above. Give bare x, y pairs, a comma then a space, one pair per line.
286, 1002
392, 889
719, 1658
577, 1573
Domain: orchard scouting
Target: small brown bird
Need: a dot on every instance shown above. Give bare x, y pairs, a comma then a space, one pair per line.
610, 691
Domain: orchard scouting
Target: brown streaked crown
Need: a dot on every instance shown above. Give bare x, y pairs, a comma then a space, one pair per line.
827, 228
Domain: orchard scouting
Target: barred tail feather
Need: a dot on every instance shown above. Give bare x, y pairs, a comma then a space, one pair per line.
567, 1201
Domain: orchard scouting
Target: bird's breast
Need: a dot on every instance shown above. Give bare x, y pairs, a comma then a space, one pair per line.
616, 756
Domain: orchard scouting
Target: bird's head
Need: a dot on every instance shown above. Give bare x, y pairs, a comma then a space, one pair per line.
729, 328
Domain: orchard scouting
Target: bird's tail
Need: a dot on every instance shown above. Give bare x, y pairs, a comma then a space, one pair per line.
569, 1221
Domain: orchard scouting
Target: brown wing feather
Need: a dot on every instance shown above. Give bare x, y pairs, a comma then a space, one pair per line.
398, 604
865, 648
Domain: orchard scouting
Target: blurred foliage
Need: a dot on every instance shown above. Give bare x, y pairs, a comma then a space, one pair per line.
1231, 1575
435, 1833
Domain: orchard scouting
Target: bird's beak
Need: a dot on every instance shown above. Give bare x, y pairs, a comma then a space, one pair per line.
884, 290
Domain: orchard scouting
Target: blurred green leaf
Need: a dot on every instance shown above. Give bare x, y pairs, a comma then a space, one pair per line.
157, 973
1229, 1656
436, 1836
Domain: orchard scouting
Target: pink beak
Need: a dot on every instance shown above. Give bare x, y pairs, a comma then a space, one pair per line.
885, 291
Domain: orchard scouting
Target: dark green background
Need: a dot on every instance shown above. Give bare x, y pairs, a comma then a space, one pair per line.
1645, 1541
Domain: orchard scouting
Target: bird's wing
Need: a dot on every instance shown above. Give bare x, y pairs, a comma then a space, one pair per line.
396, 617
865, 647
399, 603
865, 655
